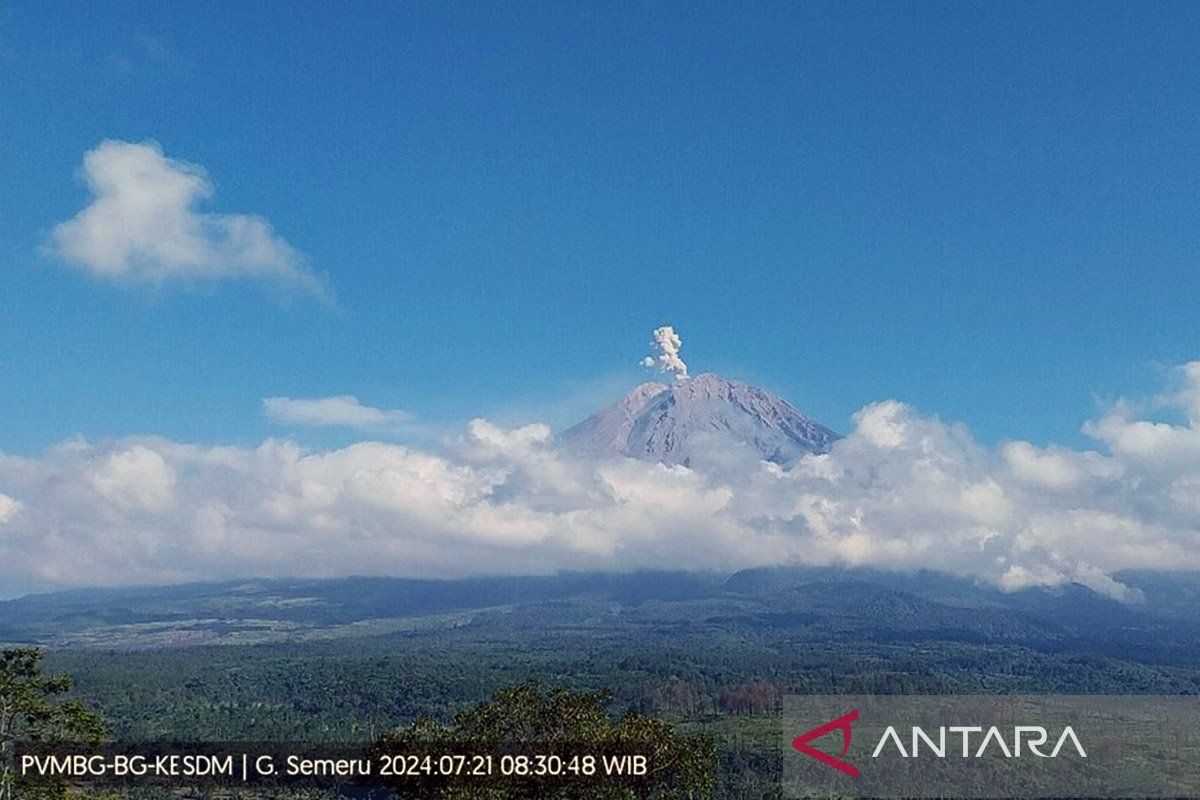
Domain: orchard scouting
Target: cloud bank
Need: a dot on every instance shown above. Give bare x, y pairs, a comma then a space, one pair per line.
142, 226
903, 490
341, 411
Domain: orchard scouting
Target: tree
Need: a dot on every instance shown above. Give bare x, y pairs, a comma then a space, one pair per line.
528, 721
753, 699
32, 710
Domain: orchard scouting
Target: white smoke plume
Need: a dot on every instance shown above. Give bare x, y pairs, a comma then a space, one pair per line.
667, 343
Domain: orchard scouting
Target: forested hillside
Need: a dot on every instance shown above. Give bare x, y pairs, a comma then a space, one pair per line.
712, 655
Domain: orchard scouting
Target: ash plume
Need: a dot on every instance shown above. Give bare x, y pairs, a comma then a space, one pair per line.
667, 344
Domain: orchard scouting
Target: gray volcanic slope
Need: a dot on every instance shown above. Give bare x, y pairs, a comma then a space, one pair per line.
663, 423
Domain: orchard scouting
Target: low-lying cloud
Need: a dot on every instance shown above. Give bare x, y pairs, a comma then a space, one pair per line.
142, 226
903, 490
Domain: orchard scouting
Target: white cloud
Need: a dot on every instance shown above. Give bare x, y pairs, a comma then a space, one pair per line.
8, 508
343, 411
1052, 468
136, 478
1187, 394
142, 226
902, 491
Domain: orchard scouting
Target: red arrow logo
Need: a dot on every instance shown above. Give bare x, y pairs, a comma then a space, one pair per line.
843, 724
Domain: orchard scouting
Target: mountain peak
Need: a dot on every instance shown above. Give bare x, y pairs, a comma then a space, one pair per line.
666, 423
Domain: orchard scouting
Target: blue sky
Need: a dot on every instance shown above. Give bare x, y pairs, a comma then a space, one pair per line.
986, 210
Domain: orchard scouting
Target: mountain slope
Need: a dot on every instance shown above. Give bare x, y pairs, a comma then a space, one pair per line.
669, 423
820, 605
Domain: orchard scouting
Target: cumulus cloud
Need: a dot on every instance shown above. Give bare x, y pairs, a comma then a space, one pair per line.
135, 478
666, 344
341, 411
903, 490
142, 226
8, 508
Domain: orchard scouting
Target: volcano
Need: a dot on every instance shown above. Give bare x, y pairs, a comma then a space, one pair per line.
656, 422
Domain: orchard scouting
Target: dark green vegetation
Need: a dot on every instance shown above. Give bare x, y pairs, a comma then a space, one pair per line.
349, 659
32, 708
575, 724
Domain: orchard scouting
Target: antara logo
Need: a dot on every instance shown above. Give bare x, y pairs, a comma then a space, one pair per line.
843, 724
1027, 738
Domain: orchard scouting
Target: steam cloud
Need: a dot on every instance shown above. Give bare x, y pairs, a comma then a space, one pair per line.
903, 490
667, 343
